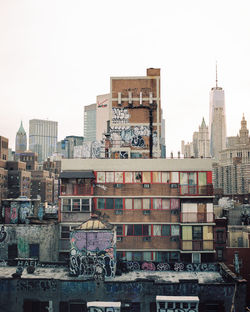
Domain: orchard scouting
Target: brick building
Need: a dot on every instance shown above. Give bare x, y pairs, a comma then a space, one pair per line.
18, 179
135, 117
42, 184
4, 142
163, 210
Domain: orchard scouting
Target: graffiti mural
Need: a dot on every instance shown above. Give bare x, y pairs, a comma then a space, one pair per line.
3, 234
177, 266
132, 136
120, 115
96, 149
92, 254
24, 212
14, 212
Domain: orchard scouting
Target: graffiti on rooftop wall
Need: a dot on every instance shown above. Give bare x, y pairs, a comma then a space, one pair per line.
92, 254
96, 149
132, 136
14, 212
177, 266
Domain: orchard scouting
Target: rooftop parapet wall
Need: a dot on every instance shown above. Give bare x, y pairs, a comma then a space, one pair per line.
138, 164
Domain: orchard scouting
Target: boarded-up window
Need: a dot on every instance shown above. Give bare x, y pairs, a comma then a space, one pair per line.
128, 177
100, 177
156, 177
187, 245
146, 177
128, 203
118, 177
208, 245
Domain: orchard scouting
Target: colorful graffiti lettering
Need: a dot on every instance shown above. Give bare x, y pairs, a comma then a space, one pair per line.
23, 246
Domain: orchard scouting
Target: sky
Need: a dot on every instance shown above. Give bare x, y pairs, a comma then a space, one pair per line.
57, 56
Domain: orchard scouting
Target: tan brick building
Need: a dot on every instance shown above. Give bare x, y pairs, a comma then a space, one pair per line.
135, 116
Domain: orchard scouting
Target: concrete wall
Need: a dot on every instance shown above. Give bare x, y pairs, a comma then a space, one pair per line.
46, 235
15, 291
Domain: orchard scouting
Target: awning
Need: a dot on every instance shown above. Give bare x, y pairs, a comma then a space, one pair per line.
77, 175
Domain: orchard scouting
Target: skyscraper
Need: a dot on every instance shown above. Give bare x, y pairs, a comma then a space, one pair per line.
42, 137
217, 120
21, 140
90, 123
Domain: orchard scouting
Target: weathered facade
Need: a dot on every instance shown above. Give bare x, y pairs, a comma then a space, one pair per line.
217, 288
163, 211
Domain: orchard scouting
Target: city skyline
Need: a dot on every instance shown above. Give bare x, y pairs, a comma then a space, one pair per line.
48, 73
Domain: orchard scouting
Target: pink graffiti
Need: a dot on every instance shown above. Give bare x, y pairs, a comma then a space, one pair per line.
148, 266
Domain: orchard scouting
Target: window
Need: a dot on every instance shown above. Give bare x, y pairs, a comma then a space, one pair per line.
85, 205
76, 204
66, 204
165, 230
174, 177
175, 203
166, 204
175, 230
156, 203
109, 203
137, 230
219, 254
34, 251
146, 177
128, 177
197, 232
119, 230
202, 178
101, 203
65, 230
137, 177
12, 251
137, 203
128, 203
146, 203
109, 177
220, 236
100, 177
118, 177
118, 203
156, 177
165, 177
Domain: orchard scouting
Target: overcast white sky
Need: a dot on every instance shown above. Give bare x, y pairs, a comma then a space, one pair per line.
56, 56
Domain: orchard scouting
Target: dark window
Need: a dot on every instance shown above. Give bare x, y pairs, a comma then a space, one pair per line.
34, 251
12, 251
137, 256
100, 203
85, 204
197, 232
165, 230
65, 231
129, 229
119, 230
118, 203
137, 229
30, 306
220, 236
109, 203
145, 229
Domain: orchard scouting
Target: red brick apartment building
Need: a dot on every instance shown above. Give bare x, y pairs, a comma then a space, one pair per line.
163, 210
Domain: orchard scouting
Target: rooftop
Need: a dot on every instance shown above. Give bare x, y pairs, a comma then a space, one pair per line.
62, 273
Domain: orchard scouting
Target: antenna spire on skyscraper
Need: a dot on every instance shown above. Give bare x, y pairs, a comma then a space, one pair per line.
216, 76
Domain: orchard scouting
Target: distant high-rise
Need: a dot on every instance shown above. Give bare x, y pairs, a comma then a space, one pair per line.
21, 140
90, 123
42, 137
217, 120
